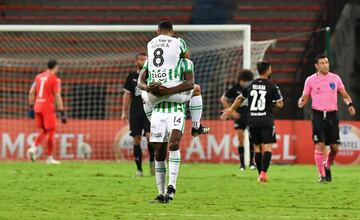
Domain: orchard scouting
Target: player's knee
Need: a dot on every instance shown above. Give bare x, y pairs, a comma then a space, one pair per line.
197, 90
174, 145
137, 140
160, 156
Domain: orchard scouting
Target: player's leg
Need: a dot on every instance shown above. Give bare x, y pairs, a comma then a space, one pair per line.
319, 127
268, 138
151, 150
333, 139
255, 137
241, 149
176, 125
196, 107
158, 137
252, 155
33, 148
50, 126
135, 123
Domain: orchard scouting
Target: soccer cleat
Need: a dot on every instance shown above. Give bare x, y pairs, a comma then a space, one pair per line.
328, 177
242, 168
262, 177
322, 179
32, 153
139, 173
201, 130
158, 199
170, 193
252, 167
51, 160
152, 168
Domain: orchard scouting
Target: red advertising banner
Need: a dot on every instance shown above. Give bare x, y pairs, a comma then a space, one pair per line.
110, 140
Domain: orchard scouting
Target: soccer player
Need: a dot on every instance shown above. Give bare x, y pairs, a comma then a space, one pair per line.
43, 95
167, 127
240, 116
138, 120
262, 95
162, 67
323, 87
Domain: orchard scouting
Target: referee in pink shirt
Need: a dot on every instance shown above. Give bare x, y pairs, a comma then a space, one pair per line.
323, 87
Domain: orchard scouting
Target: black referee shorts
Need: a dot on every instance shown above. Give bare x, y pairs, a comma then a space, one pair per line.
138, 123
262, 135
325, 127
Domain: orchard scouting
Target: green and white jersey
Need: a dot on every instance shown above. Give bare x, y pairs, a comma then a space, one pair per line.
164, 54
173, 77
170, 107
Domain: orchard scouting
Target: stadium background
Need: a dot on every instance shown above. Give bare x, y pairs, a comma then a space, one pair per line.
299, 30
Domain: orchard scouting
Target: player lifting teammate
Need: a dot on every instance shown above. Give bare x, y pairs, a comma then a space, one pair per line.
44, 94
163, 68
262, 95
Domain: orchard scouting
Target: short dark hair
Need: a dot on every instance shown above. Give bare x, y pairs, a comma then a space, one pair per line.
319, 57
52, 63
245, 75
140, 54
262, 66
165, 25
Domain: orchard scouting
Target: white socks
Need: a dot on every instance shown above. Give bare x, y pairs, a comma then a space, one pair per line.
196, 107
174, 164
160, 175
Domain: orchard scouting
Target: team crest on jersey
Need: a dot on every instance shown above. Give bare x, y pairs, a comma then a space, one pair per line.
332, 85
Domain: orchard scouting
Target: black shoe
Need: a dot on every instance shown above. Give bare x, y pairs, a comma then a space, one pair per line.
322, 179
327, 173
158, 199
200, 130
170, 193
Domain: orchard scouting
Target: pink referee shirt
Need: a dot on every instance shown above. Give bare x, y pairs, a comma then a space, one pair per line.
323, 90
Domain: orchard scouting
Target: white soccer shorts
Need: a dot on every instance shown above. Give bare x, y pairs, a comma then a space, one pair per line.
163, 123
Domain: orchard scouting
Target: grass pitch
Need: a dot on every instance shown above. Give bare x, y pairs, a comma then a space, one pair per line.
100, 190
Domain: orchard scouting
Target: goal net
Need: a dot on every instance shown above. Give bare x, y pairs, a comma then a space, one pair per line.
94, 62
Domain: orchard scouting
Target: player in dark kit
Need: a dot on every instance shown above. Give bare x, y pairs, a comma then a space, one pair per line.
138, 120
240, 116
262, 95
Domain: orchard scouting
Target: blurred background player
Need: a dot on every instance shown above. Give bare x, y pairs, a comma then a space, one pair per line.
240, 116
138, 120
162, 67
262, 95
44, 94
323, 87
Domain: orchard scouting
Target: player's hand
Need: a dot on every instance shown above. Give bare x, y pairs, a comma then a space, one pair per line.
163, 90
31, 112
235, 115
154, 88
226, 113
352, 110
63, 117
301, 103
124, 116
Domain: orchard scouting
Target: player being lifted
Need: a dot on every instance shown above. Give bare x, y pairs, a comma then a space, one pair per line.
240, 116
163, 68
43, 93
262, 95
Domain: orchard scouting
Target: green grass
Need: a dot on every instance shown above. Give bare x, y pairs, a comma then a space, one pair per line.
98, 190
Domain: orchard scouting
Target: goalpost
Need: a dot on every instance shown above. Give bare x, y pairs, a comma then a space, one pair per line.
94, 61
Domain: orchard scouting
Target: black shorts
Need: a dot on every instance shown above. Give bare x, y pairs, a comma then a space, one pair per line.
138, 124
241, 123
262, 135
325, 127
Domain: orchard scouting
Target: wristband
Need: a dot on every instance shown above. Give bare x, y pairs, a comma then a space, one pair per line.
350, 105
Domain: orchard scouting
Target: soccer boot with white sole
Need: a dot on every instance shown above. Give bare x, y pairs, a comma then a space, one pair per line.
32, 153
170, 193
201, 130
